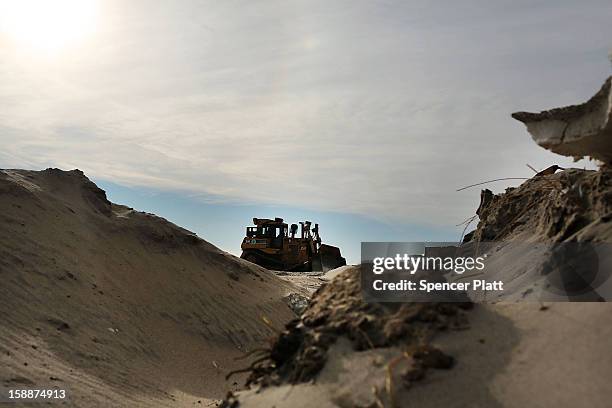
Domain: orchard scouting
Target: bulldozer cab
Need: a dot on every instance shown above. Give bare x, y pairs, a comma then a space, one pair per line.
271, 232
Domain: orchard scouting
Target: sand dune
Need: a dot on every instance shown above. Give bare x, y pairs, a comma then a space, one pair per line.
534, 353
120, 307
125, 309
507, 355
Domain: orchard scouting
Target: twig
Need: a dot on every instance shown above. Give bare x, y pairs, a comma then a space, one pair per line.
377, 400
471, 220
491, 181
247, 369
268, 323
466, 220
389, 377
534, 170
365, 336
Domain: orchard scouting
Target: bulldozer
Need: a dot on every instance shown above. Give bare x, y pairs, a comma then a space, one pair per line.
273, 245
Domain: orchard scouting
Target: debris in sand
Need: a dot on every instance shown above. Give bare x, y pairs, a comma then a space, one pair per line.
551, 208
267, 321
230, 401
308, 281
548, 171
337, 309
297, 303
60, 325
432, 357
421, 359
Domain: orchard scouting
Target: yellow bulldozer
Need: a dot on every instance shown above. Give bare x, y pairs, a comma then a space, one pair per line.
271, 244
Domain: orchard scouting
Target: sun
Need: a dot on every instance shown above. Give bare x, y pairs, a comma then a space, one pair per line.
47, 25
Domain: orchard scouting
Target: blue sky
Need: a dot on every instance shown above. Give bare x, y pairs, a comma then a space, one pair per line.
224, 224
367, 113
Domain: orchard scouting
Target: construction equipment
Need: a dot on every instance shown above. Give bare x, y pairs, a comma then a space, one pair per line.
271, 244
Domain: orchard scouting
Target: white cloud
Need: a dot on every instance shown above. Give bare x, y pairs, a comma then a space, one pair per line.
375, 108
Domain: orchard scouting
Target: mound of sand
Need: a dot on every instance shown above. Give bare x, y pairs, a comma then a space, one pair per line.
554, 220
329, 275
571, 205
120, 307
338, 321
343, 352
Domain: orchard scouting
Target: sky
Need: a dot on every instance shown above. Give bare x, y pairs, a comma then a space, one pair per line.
364, 116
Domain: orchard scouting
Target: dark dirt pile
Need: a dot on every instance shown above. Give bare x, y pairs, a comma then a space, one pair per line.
337, 309
571, 205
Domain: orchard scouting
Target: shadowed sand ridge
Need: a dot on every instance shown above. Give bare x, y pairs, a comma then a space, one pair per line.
120, 307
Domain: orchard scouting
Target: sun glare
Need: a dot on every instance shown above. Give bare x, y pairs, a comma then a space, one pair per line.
47, 25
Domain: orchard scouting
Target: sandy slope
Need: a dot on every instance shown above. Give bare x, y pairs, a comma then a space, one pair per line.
517, 355
122, 308
510, 355
524, 354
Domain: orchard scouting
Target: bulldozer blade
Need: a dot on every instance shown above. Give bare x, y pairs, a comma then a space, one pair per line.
317, 264
329, 258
